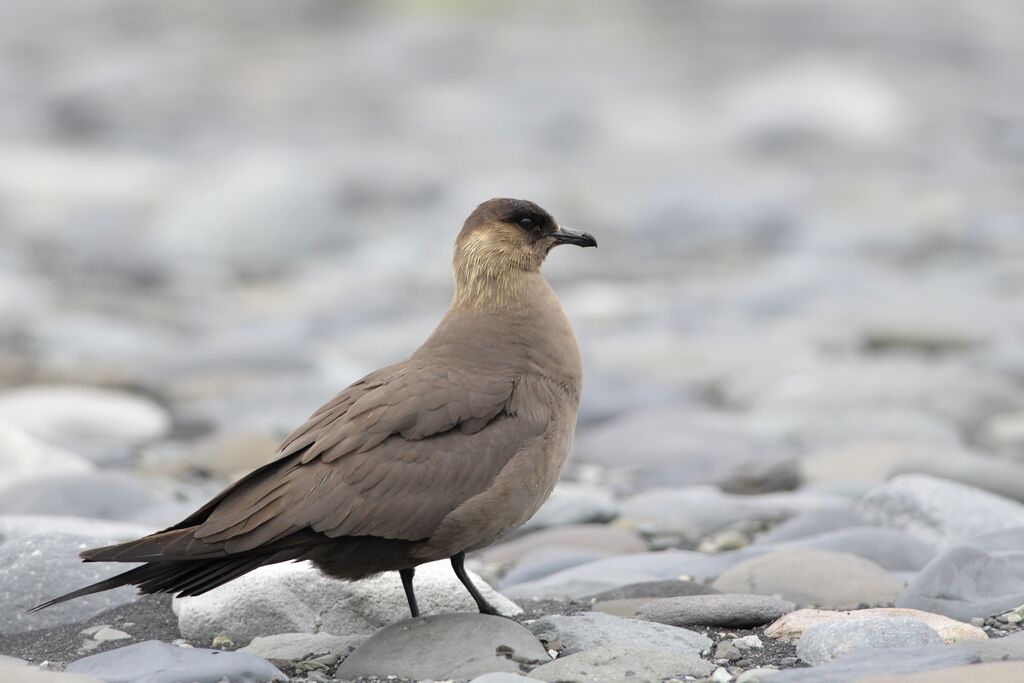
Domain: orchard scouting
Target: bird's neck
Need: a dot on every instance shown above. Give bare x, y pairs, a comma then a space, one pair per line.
495, 289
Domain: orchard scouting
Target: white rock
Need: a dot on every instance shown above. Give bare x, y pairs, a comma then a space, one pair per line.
95, 417
748, 643
938, 510
790, 626
23, 456
837, 102
1005, 434
721, 675
297, 598
827, 641
108, 633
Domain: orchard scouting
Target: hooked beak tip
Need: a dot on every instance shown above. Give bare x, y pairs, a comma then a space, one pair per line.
580, 239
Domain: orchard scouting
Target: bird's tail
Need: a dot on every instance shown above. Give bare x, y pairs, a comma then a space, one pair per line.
184, 578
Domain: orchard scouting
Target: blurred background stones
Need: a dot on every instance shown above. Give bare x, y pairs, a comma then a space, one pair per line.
802, 333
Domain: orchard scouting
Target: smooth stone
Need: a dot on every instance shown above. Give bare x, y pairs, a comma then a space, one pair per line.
817, 432
107, 634
602, 538
100, 495
977, 577
650, 590
626, 607
874, 461
591, 630
1004, 434
223, 454
803, 100
758, 675
614, 572
297, 598
545, 561
697, 511
813, 523
888, 548
18, 526
573, 503
502, 678
825, 642
962, 394
156, 662
989, 671
240, 213
445, 647
813, 577
34, 569
726, 610
938, 510
716, 448
1002, 477
621, 664
792, 625
905, 660
24, 456
89, 418
18, 673
295, 647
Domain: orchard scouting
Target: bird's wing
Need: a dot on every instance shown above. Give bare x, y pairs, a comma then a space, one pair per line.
390, 457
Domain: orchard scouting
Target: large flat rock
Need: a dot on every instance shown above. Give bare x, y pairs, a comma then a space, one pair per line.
445, 647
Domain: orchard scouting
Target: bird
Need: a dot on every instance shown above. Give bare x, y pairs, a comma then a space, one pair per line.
423, 460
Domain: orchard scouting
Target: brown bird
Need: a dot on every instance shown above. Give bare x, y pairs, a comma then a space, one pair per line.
423, 460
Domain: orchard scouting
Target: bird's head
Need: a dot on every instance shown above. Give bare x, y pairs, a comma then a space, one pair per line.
511, 234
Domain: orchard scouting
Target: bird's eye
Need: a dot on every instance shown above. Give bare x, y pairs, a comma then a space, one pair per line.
526, 223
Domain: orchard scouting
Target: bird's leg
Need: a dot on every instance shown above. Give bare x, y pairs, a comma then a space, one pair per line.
407, 575
460, 571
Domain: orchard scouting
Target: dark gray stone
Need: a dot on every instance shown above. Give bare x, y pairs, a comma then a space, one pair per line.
726, 609
621, 663
976, 578
669, 588
34, 569
825, 642
156, 662
103, 495
906, 660
595, 630
447, 646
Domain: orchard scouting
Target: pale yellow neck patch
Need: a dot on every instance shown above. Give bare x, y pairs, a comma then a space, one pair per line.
491, 268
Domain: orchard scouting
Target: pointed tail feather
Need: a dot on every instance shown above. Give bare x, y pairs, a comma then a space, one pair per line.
123, 579
183, 578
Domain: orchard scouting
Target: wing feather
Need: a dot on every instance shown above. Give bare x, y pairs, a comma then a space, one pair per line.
391, 456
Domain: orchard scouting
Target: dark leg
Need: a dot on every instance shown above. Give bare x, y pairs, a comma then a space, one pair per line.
407, 575
460, 571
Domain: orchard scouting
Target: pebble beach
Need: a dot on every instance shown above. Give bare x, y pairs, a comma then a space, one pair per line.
800, 451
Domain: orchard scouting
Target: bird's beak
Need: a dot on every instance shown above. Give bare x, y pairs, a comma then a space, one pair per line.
567, 236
